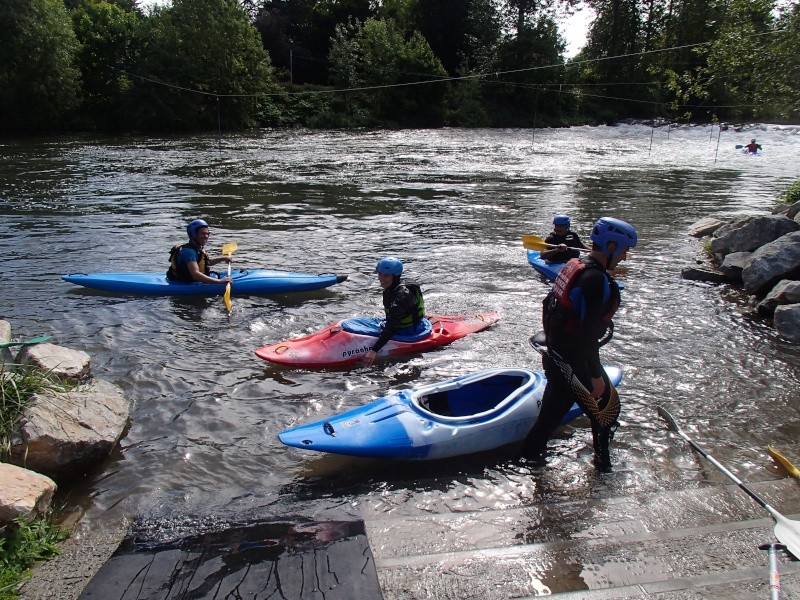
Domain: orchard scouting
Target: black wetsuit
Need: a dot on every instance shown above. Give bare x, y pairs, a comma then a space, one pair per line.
404, 307
574, 334
571, 240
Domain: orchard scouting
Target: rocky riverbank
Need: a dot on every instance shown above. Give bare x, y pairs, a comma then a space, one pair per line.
762, 255
64, 431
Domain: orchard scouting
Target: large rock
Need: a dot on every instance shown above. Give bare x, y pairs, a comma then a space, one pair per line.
5, 336
786, 292
708, 275
63, 363
750, 233
787, 322
705, 226
772, 262
789, 210
734, 263
23, 493
63, 433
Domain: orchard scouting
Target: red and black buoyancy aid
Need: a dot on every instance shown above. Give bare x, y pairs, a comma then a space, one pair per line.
179, 272
560, 300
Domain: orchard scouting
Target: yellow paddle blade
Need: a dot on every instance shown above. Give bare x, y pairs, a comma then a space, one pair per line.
534, 242
227, 297
793, 471
230, 248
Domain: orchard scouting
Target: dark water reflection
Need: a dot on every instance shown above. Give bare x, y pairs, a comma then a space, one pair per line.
452, 204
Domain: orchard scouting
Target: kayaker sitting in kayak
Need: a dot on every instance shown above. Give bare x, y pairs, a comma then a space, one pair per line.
189, 262
563, 238
402, 302
752, 147
576, 314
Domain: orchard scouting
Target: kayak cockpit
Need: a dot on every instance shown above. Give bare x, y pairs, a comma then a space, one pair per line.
474, 397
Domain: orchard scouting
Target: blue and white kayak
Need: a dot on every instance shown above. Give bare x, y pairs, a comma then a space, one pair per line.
250, 282
546, 269
472, 413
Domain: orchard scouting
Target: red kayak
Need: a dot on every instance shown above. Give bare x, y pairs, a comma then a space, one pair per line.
336, 347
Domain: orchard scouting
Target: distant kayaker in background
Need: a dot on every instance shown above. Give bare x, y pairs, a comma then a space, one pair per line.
189, 262
564, 238
752, 147
577, 321
402, 302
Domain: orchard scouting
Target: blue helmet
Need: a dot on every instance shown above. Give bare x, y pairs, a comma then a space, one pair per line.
192, 227
608, 229
389, 266
561, 220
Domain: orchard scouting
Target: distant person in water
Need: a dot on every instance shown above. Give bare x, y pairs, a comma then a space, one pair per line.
752, 147
402, 303
189, 262
563, 239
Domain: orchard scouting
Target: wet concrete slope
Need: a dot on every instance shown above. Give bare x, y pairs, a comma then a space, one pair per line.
692, 543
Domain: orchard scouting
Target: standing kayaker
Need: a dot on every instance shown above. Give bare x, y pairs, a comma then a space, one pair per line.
189, 262
564, 239
577, 315
402, 303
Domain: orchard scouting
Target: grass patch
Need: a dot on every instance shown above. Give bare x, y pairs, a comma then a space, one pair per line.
23, 543
17, 388
791, 194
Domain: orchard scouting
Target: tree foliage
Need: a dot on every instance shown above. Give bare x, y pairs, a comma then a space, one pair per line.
202, 60
39, 83
379, 55
108, 37
208, 64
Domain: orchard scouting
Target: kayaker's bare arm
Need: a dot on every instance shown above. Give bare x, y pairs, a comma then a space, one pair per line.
194, 271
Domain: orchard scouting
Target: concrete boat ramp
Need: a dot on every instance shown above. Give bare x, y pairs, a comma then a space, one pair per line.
694, 542
665, 545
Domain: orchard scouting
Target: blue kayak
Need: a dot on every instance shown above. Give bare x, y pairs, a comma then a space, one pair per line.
250, 282
548, 270
472, 413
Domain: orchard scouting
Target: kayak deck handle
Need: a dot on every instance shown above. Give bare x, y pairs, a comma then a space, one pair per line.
328, 428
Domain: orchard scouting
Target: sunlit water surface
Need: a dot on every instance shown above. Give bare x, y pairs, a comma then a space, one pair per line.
452, 205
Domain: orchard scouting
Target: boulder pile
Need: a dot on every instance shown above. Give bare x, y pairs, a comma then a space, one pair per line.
62, 434
761, 254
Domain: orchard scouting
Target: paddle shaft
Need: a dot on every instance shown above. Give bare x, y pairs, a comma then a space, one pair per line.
674, 426
36, 340
228, 250
534, 242
774, 574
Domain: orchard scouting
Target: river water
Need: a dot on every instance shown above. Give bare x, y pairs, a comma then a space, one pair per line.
452, 204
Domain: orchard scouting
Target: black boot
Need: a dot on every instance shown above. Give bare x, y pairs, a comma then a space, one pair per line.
601, 437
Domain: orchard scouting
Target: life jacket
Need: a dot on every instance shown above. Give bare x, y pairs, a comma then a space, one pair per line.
418, 311
180, 272
558, 303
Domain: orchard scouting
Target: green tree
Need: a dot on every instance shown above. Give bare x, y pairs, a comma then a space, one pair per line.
617, 73
108, 36
532, 61
39, 84
202, 65
298, 33
378, 55
741, 60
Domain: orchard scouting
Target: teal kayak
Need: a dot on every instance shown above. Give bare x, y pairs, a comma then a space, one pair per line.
253, 282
